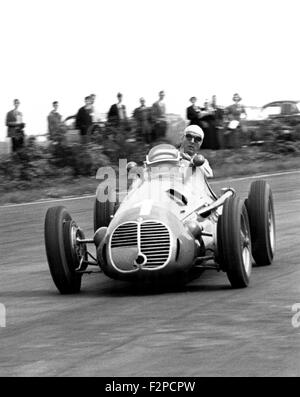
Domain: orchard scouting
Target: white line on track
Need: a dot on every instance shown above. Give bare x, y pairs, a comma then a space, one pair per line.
93, 195
257, 176
49, 201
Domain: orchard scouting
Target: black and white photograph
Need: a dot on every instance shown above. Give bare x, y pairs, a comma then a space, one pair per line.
149, 191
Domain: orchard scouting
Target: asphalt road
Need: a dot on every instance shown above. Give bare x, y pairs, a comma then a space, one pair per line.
113, 329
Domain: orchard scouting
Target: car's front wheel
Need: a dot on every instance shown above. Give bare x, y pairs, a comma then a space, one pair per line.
234, 242
63, 253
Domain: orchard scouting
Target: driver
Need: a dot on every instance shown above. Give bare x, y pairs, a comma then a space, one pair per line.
191, 143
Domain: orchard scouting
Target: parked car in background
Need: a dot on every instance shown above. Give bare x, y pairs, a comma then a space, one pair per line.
278, 120
287, 111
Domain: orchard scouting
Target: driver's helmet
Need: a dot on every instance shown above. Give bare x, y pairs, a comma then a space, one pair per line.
162, 153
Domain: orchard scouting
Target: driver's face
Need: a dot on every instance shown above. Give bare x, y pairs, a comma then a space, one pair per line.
191, 143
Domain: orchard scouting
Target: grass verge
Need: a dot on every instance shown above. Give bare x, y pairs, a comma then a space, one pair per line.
225, 164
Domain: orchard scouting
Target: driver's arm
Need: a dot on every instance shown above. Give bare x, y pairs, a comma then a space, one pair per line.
204, 166
207, 169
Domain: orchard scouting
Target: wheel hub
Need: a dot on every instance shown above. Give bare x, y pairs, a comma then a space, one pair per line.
79, 250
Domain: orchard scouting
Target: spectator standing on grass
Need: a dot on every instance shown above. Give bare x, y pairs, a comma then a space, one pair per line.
235, 113
142, 115
208, 126
193, 112
93, 112
159, 119
117, 113
15, 127
217, 122
236, 110
54, 122
84, 119
217, 110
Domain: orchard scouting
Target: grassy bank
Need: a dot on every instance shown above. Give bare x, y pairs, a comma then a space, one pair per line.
225, 163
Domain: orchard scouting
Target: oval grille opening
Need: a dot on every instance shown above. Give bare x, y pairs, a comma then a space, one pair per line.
151, 239
125, 236
155, 243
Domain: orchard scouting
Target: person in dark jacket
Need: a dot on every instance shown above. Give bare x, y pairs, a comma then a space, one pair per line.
15, 127
159, 118
117, 113
142, 115
209, 126
84, 119
193, 113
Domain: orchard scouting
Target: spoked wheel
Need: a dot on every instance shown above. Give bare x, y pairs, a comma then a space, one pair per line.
262, 222
103, 212
64, 253
234, 242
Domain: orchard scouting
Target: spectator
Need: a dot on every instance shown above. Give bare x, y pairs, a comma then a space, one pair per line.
54, 122
234, 114
93, 114
15, 127
214, 102
142, 115
84, 119
193, 113
117, 113
93, 98
219, 113
159, 128
217, 122
236, 110
208, 126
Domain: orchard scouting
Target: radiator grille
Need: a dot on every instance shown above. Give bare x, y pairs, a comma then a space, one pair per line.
155, 243
125, 236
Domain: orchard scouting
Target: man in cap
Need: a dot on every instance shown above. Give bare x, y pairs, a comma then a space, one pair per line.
15, 127
191, 143
236, 110
234, 113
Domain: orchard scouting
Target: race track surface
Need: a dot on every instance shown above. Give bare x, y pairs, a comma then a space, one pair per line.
114, 329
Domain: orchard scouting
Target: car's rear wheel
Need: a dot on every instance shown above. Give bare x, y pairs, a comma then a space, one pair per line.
64, 254
234, 242
260, 208
103, 212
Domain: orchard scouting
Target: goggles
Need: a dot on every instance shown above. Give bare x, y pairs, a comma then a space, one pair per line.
194, 138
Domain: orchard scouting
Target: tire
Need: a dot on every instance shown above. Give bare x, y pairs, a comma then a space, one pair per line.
234, 242
103, 212
260, 208
60, 253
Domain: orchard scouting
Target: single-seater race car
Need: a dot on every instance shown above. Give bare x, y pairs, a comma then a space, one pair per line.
165, 227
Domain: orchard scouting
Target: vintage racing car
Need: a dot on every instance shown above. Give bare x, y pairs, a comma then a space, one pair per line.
165, 228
